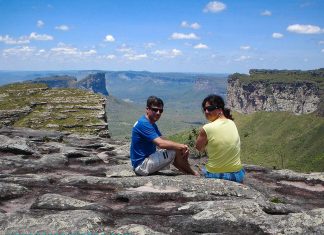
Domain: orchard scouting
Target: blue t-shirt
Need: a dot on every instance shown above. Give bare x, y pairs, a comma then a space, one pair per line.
143, 134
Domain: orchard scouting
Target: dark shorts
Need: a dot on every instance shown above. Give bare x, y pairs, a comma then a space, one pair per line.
237, 176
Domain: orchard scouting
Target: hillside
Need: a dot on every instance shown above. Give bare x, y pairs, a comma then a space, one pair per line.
279, 140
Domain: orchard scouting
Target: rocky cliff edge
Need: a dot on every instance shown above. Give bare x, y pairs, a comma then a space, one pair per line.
58, 183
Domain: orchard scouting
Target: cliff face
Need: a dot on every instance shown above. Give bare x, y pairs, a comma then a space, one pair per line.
246, 94
94, 82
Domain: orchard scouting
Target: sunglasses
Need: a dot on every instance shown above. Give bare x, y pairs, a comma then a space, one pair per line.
155, 110
210, 108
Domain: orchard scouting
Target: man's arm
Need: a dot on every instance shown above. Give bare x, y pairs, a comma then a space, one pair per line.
201, 141
163, 143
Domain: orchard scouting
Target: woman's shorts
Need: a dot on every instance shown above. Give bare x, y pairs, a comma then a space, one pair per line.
157, 161
237, 176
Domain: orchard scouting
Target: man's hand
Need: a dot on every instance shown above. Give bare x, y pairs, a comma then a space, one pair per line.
185, 151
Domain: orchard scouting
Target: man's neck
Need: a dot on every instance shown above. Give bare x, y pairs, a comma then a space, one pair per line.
147, 117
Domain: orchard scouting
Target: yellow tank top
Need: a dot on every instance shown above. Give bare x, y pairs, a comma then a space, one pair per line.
223, 147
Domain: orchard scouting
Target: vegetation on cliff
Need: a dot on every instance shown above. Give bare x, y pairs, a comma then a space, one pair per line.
38, 107
297, 78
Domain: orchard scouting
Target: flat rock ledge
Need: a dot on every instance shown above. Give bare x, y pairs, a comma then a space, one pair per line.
54, 183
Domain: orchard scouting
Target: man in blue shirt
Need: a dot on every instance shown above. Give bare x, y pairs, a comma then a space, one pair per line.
145, 158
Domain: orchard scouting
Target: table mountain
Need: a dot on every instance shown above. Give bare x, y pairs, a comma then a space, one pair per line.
299, 92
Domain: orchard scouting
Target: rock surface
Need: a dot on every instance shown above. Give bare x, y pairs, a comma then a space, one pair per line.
38, 107
73, 184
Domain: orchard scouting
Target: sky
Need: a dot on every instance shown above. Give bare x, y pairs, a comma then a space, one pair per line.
162, 35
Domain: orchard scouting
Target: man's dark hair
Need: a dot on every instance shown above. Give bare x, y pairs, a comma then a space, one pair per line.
154, 101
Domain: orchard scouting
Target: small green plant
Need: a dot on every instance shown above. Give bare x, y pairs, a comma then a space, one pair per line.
276, 200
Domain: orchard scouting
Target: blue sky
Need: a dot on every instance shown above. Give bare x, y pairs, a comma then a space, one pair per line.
161, 35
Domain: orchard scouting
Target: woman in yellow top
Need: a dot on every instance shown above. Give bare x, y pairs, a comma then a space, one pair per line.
221, 141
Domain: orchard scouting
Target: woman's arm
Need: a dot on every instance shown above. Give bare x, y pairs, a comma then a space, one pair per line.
201, 141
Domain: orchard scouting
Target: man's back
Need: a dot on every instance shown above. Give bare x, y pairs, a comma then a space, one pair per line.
143, 134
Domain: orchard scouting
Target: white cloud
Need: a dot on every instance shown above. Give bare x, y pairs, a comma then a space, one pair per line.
40, 37
109, 38
185, 24
90, 52
277, 35
125, 48
168, 53
246, 48
149, 45
65, 50
135, 57
214, 7
62, 27
321, 42
176, 52
304, 29
266, 13
25, 50
322, 50
110, 57
242, 58
40, 23
40, 52
8, 40
201, 46
25, 39
184, 36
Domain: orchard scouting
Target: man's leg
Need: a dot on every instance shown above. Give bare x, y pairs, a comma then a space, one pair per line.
183, 165
155, 162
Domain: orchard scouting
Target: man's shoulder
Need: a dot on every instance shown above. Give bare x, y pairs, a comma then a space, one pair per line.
142, 121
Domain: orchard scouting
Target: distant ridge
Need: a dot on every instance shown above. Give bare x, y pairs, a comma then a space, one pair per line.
93, 82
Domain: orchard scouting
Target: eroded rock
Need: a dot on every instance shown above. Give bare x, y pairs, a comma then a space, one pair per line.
69, 183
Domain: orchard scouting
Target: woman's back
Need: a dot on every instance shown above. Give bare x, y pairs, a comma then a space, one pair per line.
223, 147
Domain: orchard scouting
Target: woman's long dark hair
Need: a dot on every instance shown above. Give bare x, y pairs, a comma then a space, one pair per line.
219, 102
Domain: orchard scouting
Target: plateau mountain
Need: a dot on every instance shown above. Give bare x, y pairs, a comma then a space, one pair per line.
299, 92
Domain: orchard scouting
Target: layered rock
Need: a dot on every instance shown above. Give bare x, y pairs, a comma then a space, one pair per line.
38, 107
95, 83
52, 182
291, 91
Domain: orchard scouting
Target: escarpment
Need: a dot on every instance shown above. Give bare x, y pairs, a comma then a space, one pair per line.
95, 82
39, 107
299, 92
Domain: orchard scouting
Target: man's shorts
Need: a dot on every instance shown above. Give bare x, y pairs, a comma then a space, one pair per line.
232, 176
159, 160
